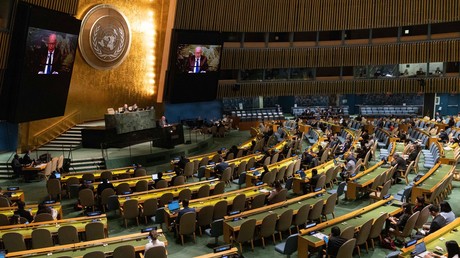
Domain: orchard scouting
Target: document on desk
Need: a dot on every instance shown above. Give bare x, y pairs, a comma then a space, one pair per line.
263, 190
319, 235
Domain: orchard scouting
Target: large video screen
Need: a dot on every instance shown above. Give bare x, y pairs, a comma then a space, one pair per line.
194, 66
40, 64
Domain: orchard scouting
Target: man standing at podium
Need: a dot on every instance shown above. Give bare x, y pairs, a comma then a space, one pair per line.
163, 123
197, 63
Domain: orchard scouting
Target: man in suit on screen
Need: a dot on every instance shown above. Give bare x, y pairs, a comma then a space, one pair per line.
197, 63
49, 59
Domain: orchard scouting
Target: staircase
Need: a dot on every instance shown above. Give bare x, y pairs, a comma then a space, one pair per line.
5, 171
70, 140
88, 164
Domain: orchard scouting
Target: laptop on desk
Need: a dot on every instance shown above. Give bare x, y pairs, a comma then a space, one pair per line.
173, 206
420, 250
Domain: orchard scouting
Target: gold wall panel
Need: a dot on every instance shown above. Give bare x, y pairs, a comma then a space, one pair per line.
134, 81
310, 15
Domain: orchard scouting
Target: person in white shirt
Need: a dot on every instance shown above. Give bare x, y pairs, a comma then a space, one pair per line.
153, 236
446, 212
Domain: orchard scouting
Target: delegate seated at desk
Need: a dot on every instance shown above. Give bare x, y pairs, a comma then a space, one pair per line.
334, 242
153, 241
184, 210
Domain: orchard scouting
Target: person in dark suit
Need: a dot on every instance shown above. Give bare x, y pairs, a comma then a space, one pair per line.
104, 185
335, 242
49, 58
219, 169
17, 167
22, 212
197, 63
438, 220
26, 160
184, 210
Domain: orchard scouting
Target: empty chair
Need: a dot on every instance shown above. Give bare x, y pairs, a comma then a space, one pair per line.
301, 216
13, 242
86, 197
280, 197
219, 188
289, 247
104, 198
246, 233
284, 223
142, 186
346, 250
315, 212
165, 199
54, 188
203, 191
140, 172
205, 217
187, 226
200, 173
179, 180
161, 184
4, 202
258, 201
363, 235
185, 194
422, 218
130, 210
188, 170
94, 231
329, 206
376, 230
280, 175
43, 217
348, 232
220, 209
227, 176
156, 252
41, 238
149, 209
216, 230
72, 187
251, 163
68, 235
239, 203
268, 227
375, 196
123, 188
95, 254
4, 221
125, 251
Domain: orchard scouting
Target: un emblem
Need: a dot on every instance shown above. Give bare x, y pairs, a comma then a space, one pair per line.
105, 37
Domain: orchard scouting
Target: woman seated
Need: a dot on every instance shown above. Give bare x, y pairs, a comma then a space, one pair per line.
446, 212
398, 223
419, 204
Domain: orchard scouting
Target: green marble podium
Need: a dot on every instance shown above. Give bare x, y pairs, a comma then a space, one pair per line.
131, 121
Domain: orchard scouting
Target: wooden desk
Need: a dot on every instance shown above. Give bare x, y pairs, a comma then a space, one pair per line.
298, 183
53, 226
374, 210
294, 204
17, 195
448, 157
363, 179
132, 181
210, 168
251, 178
428, 183
106, 245
97, 173
432, 240
234, 250
33, 208
141, 197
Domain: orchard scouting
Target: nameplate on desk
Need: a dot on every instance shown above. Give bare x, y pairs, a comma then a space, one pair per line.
233, 213
222, 248
386, 196
13, 188
93, 213
259, 183
49, 202
146, 230
310, 225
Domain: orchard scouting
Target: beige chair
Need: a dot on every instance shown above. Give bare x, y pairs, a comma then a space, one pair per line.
281, 173
188, 170
330, 206
408, 228
274, 159
220, 209
346, 250
41, 238
187, 225
267, 176
165, 199
329, 180
149, 208
60, 164
348, 232
54, 188
161, 184
280, 197
315, 212
4, 202
14, 242
205, 217
106, 175
125, 251
267, 228
219, 188
86, 197
266, 161
241, 168
227, 176
54, 163
130, 210
4, 221
179, 180
284, 223
185, 193
68, 235
95, 254
289, 170
363, 235
251, 163
215, 158
104, 198
406, 173
204, 162
46, 173
239, 154
422, 218
321, 183
72, 182
301, 216
88, 177
203, 191
123, 188
156, 252
142, 186
376, 230
239, 203
43, 217
123, 176
376, 196
246, 233
94, 231
230, 156
258, 201
140, 172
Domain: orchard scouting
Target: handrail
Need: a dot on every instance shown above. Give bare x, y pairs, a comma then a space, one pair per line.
53, 131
